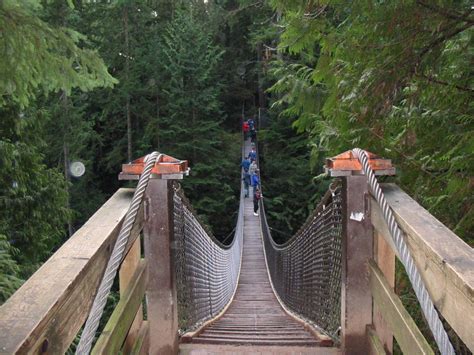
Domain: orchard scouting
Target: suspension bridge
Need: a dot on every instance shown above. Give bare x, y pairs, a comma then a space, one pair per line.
328, 290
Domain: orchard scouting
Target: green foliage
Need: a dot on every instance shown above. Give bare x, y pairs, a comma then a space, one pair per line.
40, 57
393, 78
287, 177
191, 124
9, 270
33, 201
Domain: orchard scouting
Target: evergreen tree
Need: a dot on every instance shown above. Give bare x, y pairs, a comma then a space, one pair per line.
39, 58
391, 78
191, 126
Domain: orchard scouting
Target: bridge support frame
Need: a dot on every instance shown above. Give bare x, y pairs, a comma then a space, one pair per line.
161, 296
357, 250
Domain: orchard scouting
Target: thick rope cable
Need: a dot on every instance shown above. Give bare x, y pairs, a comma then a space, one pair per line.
440, 335
116, 257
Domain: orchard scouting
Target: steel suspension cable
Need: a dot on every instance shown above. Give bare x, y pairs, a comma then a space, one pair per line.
115, 259
439, 333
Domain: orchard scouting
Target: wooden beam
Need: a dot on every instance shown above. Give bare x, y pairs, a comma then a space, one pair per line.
357, 250
445, 262
116, 329
141, 344
50, 308
406, 332
126, 274
162, 308
376, 346
385, 259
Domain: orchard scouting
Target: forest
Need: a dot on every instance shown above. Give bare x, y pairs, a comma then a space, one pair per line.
105, 82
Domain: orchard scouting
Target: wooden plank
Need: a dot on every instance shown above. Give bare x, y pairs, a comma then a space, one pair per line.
385, 259
376, 346
406, 332
239, 349
126, 274
140, 346
50, 308
446, 263
116, 329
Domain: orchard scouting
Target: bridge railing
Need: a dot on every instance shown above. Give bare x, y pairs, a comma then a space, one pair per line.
446, 265
305, 271
47, 312
372, 313
207, 271
337, 273
174, 275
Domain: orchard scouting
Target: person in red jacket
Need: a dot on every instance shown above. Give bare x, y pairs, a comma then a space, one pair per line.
246, 128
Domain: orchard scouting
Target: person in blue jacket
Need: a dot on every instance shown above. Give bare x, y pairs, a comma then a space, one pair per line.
255, 180
253, 154
245, 164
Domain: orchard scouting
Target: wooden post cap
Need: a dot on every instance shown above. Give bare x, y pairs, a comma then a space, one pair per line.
346, 164
166, 167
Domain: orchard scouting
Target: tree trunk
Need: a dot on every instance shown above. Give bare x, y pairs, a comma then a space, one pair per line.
193, 135
67, 176
127, 75
261, 94
157, 122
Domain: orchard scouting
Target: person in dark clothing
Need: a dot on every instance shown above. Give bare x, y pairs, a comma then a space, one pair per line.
245, 164
257, 195
253, 135
246, 179
251, 124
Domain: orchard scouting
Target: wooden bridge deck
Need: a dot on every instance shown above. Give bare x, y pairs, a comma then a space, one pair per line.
255, 316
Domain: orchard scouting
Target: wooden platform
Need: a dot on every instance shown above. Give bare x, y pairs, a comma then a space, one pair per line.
201, 349
255, 316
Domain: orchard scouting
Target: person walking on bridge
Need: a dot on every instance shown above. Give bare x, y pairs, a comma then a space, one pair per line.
253, 135
246, 179
245, 164
255, 180
246, 128
253, 154
253, 168
257, 195
251, 123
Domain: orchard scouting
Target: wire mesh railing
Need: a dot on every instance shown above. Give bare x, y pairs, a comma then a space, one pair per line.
306, 270
207, 271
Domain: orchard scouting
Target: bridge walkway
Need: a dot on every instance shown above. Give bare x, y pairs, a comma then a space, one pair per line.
255, 316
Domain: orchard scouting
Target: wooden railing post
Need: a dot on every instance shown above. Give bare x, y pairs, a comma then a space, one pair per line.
161, 297
158, 235
357, 313
357, 250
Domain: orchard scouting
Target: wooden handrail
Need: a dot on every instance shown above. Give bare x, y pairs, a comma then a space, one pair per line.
406, 332
116, 330
46, 313
445, 262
